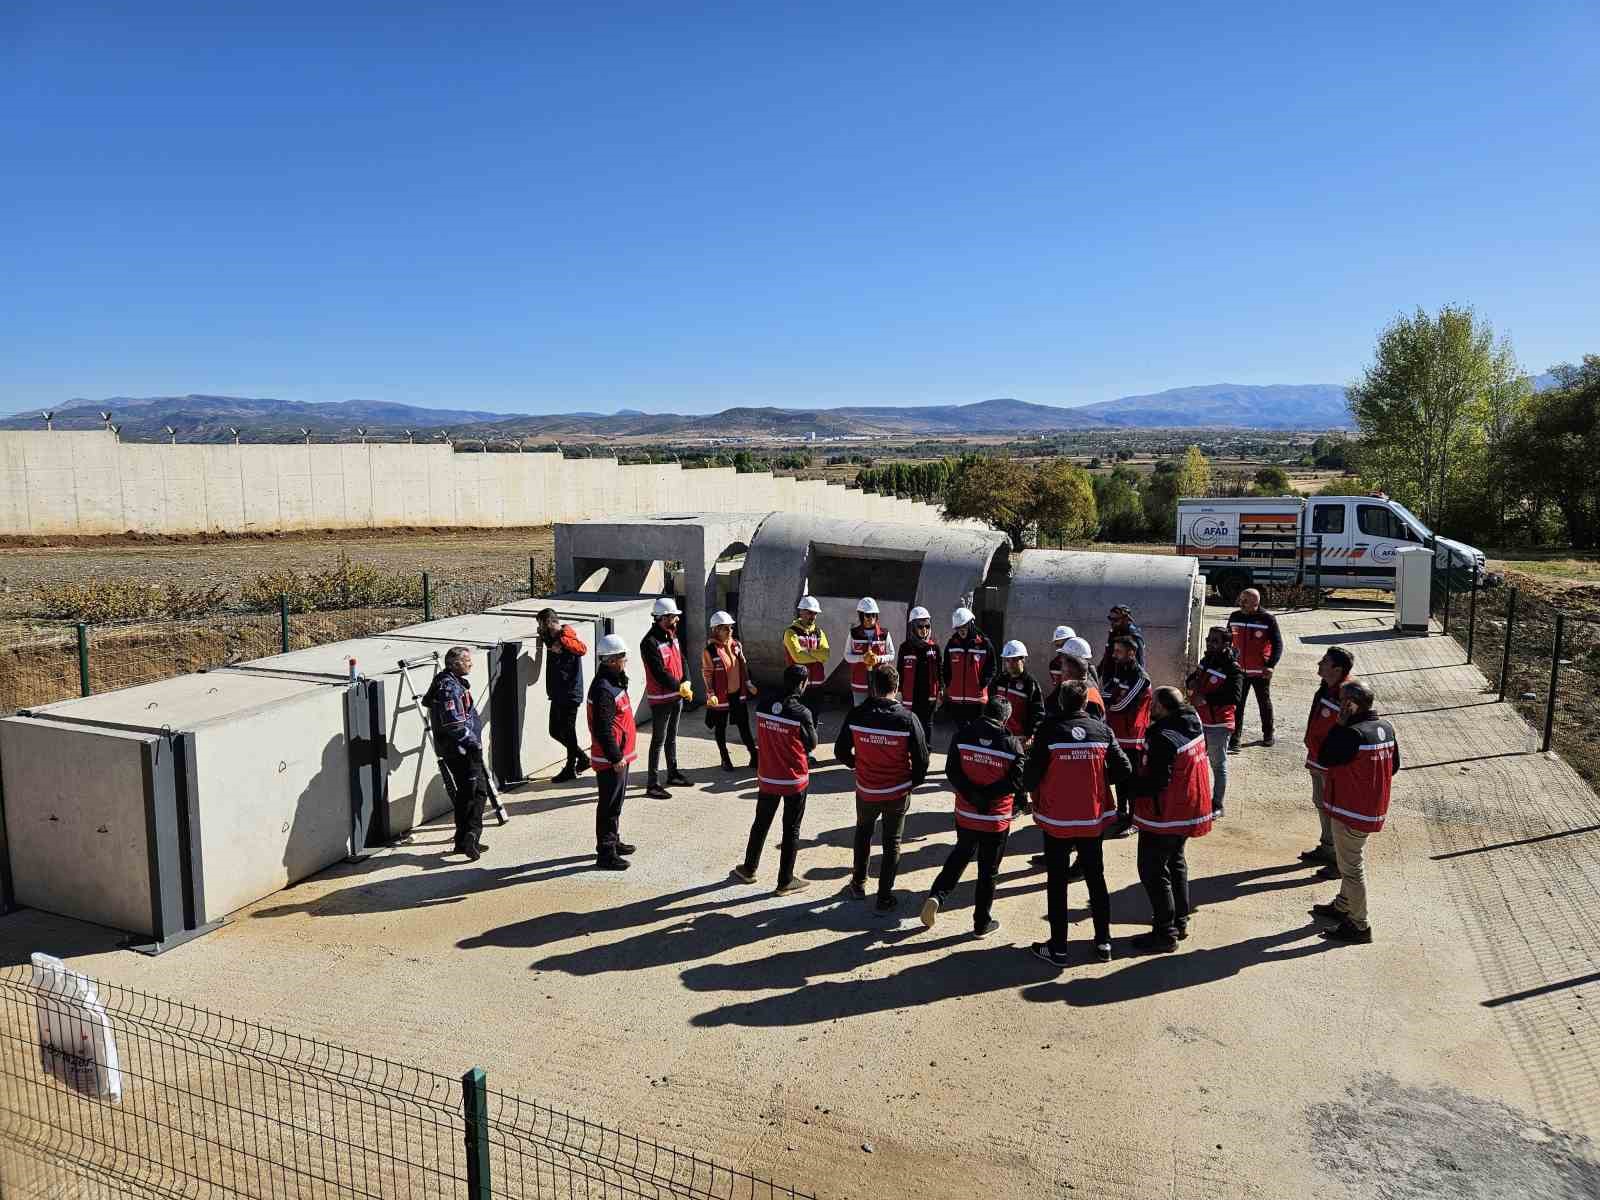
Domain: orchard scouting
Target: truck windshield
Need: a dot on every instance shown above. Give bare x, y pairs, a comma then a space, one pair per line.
1415, 522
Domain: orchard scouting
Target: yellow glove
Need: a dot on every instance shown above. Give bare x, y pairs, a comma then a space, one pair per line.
686, 690
870, 659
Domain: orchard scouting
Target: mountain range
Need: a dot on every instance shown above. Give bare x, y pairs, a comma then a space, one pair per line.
210, 418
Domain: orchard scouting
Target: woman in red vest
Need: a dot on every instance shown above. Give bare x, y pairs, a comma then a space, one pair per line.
1172, 803
728, 687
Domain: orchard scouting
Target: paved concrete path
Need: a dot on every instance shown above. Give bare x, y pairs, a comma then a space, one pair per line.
1459, 1055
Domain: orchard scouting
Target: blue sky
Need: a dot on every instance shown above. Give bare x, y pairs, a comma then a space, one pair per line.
531, 207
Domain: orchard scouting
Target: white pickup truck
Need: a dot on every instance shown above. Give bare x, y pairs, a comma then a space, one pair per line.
1322, 541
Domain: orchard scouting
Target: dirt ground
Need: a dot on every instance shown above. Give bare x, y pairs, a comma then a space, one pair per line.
804, 1038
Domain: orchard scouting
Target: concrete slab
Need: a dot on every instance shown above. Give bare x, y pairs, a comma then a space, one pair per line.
1457, 1056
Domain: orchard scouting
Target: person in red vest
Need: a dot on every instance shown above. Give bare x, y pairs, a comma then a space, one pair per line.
728, 687
1360, 755
1216, 688
666, 687
984, 766
883, 743
1333, 672
1021, 691
969, 668
921, 680
1258, 645
613, 743
1127, 695
1172, 803
1073, 765
787, 734
868, 641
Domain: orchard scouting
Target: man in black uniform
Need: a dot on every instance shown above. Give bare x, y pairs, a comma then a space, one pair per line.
563, 685
458, 741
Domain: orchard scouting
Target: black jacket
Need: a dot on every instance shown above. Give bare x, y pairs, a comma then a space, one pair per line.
1032, 699
979, 732
1162, 741
655, 668
563, 670
1119, 768
877, 712
1129, 630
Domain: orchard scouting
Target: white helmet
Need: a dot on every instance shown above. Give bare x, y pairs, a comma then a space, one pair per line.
1062, 633
1078, 648
867, 605
919, 614
611, 646
808, 604
720, 618
962, 616
1013, 649
666, 606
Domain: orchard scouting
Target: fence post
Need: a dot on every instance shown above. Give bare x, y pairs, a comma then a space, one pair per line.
1447, 595
532, 588
1555, 677
475, 1109
1472, 615
427, 599
83, 659
283, 621
1505, 657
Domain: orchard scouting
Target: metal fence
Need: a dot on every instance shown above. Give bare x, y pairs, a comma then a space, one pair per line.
47, 662
210, 1106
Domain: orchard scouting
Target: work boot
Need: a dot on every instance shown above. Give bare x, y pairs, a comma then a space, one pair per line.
656, 792
472, 852
988, 927
676, 778
727, 764
930, 909
1329, 912
743, 874
567, 775
794, 885
1269, 741
626, 848
1330, 871
611, 862
1157, 940
1319, 854
1348, 931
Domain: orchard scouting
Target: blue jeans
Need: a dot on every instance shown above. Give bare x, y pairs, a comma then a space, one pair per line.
1217, 751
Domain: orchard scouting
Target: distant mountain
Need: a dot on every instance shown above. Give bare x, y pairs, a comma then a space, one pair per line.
208, 418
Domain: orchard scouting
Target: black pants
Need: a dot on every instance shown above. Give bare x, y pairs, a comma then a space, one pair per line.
989, 848
664, 716
794, 810
613, 788
564, 728
1091, 857
894, 824
961, 713
1165, 874
1263, 690
812, 699
468, 783
923, 710
1124, 791
717, 718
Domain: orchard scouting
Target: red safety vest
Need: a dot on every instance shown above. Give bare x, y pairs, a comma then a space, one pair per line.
1324, 716
1214, 715
883, 763
623, 731
781, 755
967, 662
860, 642
1252, 644
1357, 792
1128, 712
1016, 692
1184, 805
672, 661
1073, 800
985, 765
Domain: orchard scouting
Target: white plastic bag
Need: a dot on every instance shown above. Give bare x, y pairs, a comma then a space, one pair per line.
76, 1045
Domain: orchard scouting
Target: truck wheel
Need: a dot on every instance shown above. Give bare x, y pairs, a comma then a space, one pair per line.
1229, 584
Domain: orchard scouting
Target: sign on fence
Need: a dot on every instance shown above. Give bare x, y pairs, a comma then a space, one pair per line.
76, 1044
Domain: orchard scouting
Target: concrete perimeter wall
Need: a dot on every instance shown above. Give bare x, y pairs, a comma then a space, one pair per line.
63, 483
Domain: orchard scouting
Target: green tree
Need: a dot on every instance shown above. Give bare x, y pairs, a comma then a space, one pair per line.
1158, 493
1194, 474
1420, 406
1556, 442
1014, 497
1064, 502
1272, 481
1121, 511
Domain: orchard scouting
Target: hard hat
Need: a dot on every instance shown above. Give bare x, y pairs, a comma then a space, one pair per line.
1062, 633
867, 605
962, 616
1013, 649
611, 646
919, 614
808, 604
666, 606
1078, 648
720, 618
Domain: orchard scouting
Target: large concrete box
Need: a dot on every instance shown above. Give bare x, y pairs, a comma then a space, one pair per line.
160, 808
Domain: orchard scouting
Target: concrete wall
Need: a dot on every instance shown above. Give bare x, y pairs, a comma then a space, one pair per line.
63, 483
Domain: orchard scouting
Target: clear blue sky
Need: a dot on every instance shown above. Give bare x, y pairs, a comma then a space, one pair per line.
535, 207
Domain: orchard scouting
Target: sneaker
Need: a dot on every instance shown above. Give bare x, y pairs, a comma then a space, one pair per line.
794, 885
1318, 854
858, 891
1329, 912
1102, 951
656, 792
1234, 747
1329, 872
984, 930
581, 765
676, 778
1156, 940
567, 775
888, 904
727, 765
1121, 828
1042, 950
743, 874
1269, 741
1181, 931
930, 911
1216, 812
611, 862
1348, 931
472, 852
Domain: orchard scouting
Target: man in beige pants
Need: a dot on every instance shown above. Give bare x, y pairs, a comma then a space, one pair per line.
1334, 672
